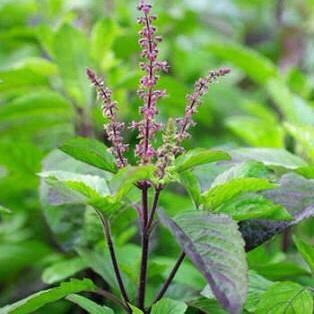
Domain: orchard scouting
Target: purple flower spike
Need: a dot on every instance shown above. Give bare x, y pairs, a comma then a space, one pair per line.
151, 66
113, 128
194, 100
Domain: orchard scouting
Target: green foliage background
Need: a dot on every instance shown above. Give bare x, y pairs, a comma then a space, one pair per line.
45, 99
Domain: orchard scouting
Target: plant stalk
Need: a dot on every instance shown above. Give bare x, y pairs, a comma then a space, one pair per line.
107, 232
171, 275
154, 208
145, 248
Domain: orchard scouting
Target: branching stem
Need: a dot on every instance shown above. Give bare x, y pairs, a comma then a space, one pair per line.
107, 233
171, 275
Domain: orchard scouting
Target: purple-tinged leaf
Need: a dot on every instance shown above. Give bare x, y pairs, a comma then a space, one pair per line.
215, 246
256, 232
296, 194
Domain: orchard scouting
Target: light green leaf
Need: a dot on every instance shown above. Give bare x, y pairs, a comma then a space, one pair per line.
135, 310
242, 170
190, 182
219, 194
62, 270
125, 179
103, 35
198, 157
90, 151
253, 206
41, 298
257, 286
70, 54
294, 108
268, 156
4, 210
304, 136
88, 185
285, 298
215, 246
168, 306
246, 59
306, 250
35, 111
208, 306
257, 132
89, 305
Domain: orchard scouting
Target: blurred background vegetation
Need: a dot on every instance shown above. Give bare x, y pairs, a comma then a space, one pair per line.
45, 99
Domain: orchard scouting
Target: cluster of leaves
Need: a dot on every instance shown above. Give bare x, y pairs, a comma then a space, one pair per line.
46, 99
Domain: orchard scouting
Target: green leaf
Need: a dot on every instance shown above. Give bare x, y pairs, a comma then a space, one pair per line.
246, 59
215, 246
62, 270
91, 152
295, 109
280, 270
257, 132
190, 182
126, 177
306, 250
103, 35
208, 306
257, 286
198, 157
219, 194
286, 298
70, 54
268, 156
65, 209
304, 136
252, 206
35, 111
41, 298
4, 210
91, 186
89, 305
135, 310
242, 170
168, 306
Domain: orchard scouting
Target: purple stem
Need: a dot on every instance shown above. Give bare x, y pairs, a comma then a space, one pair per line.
107, 233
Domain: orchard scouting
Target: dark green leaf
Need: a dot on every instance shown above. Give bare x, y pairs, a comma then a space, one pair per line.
90, 151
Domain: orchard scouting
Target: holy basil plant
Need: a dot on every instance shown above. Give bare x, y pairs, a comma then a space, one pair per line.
240, 198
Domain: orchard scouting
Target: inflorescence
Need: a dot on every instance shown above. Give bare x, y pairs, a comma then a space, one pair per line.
147, 128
